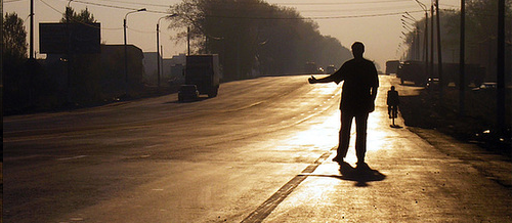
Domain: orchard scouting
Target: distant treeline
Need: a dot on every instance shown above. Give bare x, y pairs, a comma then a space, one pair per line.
481, 32
253, 36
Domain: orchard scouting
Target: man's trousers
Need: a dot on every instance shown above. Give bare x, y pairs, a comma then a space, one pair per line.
361, 126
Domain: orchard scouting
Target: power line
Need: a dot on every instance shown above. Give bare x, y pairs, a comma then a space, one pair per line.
253, 17
317, 17
49, 6
136, 3
140, 31
343, 3
364, 16
250, 10
293, 3
62, 13
296, 4
370, 9
117, 7
357, 10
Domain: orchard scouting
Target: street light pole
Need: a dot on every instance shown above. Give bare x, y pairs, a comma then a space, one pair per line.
158, 49
500, 78
416, 32
462, 55
125, 51
158, 45
439, 54
431, 64
424, 7
31, 56
68, 35
416, 23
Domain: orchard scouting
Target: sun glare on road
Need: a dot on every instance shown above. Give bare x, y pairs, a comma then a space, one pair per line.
327, 89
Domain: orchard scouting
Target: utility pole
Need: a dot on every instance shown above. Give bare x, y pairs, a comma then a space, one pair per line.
1, 60
431, 66
125, 60
31, 56
418, 45
462, 56
158, 53
439, 53
158, 46
425, 38
68, 13
500, 99
188, 41
158, 50
126, 83
162, 58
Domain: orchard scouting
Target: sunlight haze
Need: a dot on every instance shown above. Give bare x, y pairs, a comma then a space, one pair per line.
376, 23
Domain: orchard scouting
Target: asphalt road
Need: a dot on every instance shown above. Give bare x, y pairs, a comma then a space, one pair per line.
260, 151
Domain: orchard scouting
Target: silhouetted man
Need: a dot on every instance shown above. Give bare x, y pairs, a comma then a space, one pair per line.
360, 84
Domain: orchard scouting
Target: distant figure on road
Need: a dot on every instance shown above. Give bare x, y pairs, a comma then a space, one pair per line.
360, 84
393, 101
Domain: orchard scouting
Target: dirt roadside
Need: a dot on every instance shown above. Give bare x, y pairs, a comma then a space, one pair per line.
422, 108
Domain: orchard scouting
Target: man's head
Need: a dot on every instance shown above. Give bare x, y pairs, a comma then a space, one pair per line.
358, 50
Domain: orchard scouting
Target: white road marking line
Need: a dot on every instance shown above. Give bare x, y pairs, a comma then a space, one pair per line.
72, 158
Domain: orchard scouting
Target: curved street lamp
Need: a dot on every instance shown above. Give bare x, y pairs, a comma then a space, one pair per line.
425, 46
406, 19
158, 45
125, 51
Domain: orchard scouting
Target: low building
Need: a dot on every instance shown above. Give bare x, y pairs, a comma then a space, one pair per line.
98, 76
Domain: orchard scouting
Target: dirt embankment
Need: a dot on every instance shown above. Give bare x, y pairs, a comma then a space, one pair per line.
424, 108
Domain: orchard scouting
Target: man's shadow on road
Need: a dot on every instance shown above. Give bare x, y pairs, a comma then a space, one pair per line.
199, 99
361, 174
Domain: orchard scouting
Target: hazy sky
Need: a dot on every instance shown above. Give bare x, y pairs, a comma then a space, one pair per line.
376, 23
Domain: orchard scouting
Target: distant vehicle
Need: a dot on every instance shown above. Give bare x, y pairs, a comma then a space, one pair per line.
203, 72
474, 74
392, 66
432, 84
412, 71
188, 93
487, 86
330, 69
415, 71
312, 68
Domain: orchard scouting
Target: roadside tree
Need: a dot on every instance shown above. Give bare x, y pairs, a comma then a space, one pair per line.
253, 36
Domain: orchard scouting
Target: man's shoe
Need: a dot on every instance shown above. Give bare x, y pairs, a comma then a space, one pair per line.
337, 159
362, 166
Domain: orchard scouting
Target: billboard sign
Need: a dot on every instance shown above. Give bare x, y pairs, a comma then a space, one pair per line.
60, 38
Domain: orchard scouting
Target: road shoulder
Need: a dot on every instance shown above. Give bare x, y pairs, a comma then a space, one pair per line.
493, 166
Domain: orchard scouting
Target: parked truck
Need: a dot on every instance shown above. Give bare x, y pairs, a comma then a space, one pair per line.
415, 71
203, 72
392, 66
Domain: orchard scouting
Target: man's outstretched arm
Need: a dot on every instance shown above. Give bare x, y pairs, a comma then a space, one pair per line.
313, 80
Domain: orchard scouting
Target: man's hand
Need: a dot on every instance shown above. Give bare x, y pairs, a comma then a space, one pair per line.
312, 80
